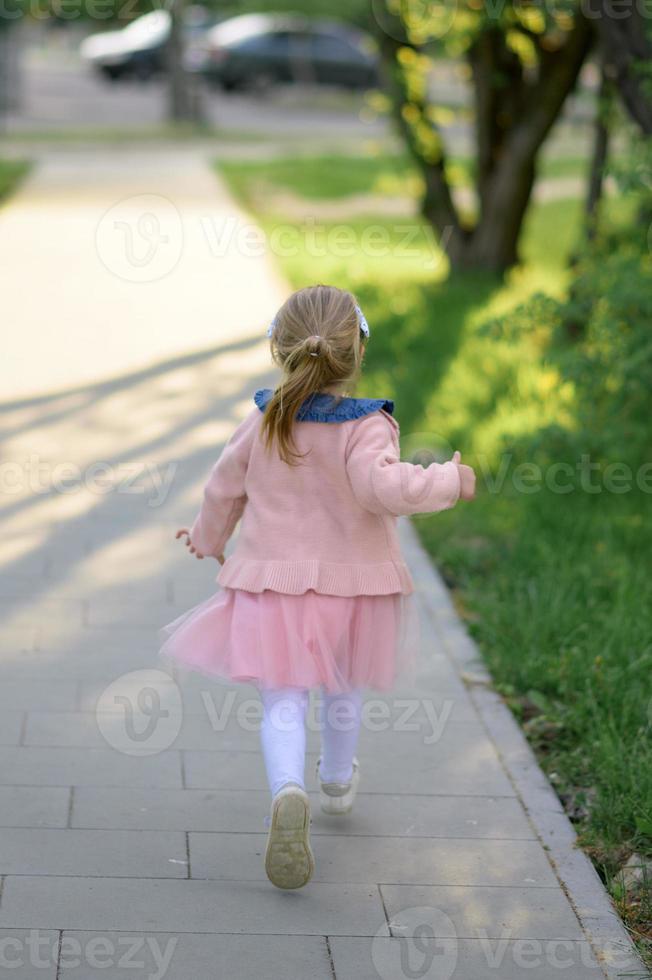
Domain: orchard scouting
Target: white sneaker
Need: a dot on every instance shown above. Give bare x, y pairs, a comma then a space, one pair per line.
337, 798
289, 860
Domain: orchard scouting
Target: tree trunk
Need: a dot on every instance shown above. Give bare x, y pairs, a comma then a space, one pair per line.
494, 242
513, 117
599, 157
510, 186
10, 69
437, 205
182, 101
627, 43
497, 81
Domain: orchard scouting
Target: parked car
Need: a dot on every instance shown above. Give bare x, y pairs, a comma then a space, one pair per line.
258, 50
139, 49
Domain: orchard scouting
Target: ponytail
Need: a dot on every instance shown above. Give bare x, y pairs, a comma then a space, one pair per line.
309, 369
316, 340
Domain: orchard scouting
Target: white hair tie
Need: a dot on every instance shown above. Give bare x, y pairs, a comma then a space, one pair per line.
362, 322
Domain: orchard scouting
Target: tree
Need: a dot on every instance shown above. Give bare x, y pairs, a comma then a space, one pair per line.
183, 104
627, 41
524, 61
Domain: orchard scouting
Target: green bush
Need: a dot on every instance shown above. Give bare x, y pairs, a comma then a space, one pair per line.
557, 585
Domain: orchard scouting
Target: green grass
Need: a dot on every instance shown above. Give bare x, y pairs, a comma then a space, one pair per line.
556, 588
337, 176
324, 177
135, 134
11, 173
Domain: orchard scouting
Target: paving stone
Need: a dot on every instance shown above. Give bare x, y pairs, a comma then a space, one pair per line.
33, 610
159, 905
83, 729
28, 954
16, 641
11, 723
225, 770
189, 592
417, 723
36, 766
34, 806
45, 695
18, 553
61, 555
233, 726
173, 956
461, 763
93, 694
63, 729
498, 912
462, 959
80, 588
64, 637
105, 853
80, 661
240, 811
129, 612
17, 585
425, 860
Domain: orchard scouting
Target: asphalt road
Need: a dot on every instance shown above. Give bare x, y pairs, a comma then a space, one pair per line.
57, 91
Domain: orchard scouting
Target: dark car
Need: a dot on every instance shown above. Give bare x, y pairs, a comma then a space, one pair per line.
257, 50
139, 50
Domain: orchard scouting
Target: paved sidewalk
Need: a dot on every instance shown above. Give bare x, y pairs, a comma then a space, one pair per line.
132, 807
114, 258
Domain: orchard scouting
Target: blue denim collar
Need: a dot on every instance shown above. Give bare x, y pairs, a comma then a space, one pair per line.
323, 407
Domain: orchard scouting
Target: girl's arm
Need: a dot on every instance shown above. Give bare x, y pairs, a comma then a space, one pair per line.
384, 484
224, 494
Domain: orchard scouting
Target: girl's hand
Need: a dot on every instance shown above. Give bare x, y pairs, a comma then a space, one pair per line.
467, 478
221, 559
184, 532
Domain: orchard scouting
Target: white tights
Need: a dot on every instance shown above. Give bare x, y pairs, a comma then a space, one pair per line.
283, 734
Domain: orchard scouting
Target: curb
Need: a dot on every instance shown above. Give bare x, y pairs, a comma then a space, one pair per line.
604, 929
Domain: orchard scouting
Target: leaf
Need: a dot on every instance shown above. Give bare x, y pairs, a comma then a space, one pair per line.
540, 700
644, 826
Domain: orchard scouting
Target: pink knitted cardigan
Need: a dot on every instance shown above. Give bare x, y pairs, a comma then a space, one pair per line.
328, 524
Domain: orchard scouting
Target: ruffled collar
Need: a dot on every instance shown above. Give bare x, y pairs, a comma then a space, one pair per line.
323, 407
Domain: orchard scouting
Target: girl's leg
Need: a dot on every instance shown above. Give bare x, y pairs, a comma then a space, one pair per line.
283, 735
340, 716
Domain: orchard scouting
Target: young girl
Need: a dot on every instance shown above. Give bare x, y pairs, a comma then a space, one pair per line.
315, 594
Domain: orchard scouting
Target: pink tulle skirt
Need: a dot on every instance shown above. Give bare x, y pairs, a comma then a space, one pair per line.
310, 640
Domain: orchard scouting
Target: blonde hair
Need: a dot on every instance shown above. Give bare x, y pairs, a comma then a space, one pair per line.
317, 342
